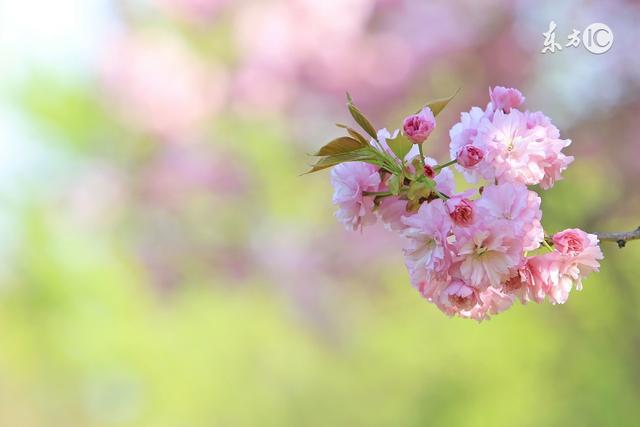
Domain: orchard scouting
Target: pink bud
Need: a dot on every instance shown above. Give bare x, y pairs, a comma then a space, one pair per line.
505, 99
429, 172
461, 211
419, 126
469, 156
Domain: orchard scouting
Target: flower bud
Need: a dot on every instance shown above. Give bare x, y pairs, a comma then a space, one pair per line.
429, 172
419, 126
505, 99
469, 156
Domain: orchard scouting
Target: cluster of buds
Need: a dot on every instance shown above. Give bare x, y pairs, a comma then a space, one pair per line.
471, 253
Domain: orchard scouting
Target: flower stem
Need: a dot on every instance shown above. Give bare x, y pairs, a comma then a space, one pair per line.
421, 155
449, 163
377, 193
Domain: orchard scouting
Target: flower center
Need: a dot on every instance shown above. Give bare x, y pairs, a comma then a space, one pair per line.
513, 284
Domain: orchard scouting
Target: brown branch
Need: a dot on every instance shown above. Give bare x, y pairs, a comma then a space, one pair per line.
620, 238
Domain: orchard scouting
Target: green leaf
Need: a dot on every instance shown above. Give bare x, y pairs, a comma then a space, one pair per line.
417, 166
418, 189
431, 184
400, 145
394, 184
340, 145
360, 118
359, 155
354, 134
438, 105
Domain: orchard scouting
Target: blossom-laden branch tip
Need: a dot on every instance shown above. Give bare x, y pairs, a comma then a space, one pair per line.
471, 253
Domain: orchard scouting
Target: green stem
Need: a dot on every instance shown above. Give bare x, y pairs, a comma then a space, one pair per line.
386, 163
546, 245
377, 193
449, 163
421, 155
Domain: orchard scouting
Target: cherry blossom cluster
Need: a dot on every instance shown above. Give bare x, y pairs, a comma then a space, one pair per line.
472, 253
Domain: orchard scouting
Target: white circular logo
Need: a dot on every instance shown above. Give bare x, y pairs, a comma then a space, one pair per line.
597, 38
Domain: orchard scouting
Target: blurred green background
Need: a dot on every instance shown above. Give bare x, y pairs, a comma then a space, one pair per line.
166, 265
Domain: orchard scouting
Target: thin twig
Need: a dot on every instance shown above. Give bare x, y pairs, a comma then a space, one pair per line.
620, 238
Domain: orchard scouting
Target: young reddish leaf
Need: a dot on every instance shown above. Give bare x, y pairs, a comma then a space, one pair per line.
438, 105
343, 144
359, 155
360, 118
354, 134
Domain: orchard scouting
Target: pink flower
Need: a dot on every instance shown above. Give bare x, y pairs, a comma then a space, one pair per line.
427, 251
391, 211
469, 156
556, 273
461, 210
538, 119
549, 275
516, 152
505, 99
572, 241
490, 301
428, 287
349, 181
582, 250
419, 126
515, 285
518, 207
523, 285
444, 179
488, 253
554, 162
457, 296
465, 133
